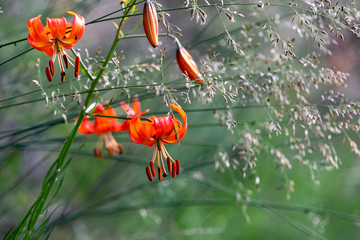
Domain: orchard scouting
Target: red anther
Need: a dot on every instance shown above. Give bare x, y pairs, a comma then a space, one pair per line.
110, 152
173, 173
98, 153
159, 172
48, 74
120, 149
152, 167
77, 66
52, 69
63, 74
66, 61
177, 167
168, 163
148, 174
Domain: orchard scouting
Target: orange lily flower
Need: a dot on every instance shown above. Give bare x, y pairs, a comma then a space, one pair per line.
104, 127
56, 36
187, 65
158, 132
150, 23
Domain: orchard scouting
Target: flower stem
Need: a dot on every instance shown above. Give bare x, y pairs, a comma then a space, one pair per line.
27, 229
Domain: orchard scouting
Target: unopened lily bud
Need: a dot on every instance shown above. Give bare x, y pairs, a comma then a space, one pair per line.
150, 23
187, 65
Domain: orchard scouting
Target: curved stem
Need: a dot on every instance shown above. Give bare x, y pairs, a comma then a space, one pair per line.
27, 229
17, 55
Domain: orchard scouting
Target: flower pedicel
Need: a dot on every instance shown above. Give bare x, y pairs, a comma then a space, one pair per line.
54, 38
158, 132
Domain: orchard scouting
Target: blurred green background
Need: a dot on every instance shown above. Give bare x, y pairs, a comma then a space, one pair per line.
111, 198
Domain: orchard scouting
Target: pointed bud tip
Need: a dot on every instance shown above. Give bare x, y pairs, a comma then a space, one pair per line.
150, 23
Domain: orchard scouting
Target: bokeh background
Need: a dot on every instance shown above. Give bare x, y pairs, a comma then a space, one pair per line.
111, 198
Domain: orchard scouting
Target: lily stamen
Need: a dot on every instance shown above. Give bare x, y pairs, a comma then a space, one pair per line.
160, 130
66, 61
152, 167
162, 165
168, 163
148, 174
48, 74
51, 66
63, 74
173, 173
77, 66
159, 173
177, 164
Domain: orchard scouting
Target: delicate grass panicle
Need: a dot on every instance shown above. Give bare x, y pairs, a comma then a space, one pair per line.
255, 105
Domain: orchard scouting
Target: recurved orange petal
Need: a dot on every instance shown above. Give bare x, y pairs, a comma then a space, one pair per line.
86, 127
163, 126
142, 132
76, 32
37, 30
43, 46
181, 128
57, 27
136, 106
130, 112
102, 124
38, 37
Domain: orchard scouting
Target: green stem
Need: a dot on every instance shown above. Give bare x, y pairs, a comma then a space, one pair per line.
27, 228
17, 55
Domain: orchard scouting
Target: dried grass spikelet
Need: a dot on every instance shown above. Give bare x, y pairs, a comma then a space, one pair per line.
150, 23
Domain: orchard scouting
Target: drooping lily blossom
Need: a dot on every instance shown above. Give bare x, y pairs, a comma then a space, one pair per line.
187, 65
54, 38
104, 126
158, 132
150, 23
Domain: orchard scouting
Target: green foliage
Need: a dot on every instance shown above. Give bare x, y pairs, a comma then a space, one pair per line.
272, 143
